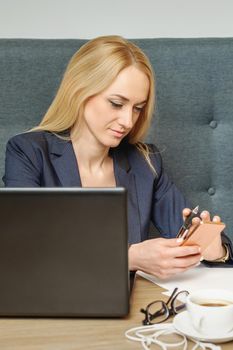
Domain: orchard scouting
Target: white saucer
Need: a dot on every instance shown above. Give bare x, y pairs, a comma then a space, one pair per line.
182, 323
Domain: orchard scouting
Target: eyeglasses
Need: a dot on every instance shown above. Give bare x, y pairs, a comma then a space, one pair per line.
159, 311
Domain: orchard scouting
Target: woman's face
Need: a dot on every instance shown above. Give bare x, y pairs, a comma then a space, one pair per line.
110, 115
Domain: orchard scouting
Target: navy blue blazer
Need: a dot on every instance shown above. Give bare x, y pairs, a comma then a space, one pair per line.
41, 159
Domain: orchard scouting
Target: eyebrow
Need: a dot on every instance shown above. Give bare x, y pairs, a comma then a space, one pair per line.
126, 99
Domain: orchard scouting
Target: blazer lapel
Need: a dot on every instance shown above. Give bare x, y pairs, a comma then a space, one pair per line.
64, 161
125, 178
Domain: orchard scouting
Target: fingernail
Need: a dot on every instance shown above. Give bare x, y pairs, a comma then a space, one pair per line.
179, 240
204, 214
197, 264
202, 258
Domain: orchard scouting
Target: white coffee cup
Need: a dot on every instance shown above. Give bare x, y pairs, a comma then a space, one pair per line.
211, 311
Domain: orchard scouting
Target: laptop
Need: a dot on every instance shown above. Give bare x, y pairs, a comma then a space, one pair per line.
64, 252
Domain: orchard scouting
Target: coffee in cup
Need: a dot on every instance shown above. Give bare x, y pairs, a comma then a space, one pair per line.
214, 303
211, 311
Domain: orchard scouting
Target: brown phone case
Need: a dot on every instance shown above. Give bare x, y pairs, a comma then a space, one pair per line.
204, 234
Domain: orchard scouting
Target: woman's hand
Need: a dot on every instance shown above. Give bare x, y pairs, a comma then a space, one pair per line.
163, 257
215, 250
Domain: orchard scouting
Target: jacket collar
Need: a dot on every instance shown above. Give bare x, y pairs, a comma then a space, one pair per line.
65, 162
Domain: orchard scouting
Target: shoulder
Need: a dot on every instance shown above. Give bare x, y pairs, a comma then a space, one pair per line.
29, 145
31, 137
138, 159
32, 141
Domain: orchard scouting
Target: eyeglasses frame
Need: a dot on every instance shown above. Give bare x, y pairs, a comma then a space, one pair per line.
170, 310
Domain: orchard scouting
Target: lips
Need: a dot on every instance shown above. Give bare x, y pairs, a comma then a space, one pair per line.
118, 133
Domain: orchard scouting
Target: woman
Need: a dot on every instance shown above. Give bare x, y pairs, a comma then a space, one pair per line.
92, 136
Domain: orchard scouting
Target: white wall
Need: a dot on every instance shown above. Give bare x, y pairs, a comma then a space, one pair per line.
130, 18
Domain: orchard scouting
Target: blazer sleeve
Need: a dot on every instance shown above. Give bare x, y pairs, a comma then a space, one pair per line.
22, 167
168, 201
167, 209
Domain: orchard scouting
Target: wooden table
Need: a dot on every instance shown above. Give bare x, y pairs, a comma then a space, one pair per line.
75, 334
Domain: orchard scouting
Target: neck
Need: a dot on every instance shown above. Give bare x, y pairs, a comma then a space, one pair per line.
90, 156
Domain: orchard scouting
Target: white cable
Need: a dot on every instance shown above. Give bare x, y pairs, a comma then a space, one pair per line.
205, 346
140, 334
160, 329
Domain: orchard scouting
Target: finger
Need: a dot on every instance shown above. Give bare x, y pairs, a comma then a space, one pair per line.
186, 213
175, 271
205, 215
189, 261
216, 218
184, 251
196, 221
172, 242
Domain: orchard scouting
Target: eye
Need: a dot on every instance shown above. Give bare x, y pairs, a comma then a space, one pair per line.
115, 104
138, 109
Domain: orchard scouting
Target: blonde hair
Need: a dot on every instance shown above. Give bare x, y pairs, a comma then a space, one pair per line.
91, 70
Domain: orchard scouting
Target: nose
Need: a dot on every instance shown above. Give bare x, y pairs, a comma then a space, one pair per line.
126, 119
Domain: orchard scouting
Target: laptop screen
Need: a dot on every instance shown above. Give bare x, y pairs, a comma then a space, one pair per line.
64, 252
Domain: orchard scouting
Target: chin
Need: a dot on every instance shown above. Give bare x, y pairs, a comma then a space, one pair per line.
116, 143
112, 143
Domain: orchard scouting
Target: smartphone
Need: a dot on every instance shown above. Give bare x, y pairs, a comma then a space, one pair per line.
203, 234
